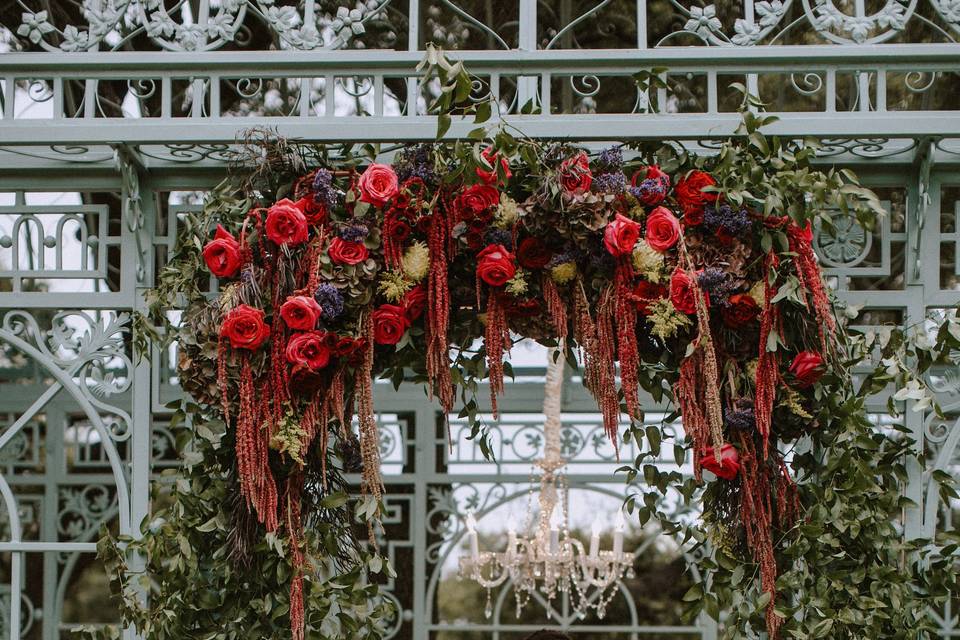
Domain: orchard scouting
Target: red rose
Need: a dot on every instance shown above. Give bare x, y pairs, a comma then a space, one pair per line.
489, 176
477, 199
347, 346
652, 185
286, 224
807, 367
533, 254
222, 254
740, 310
414, 302
729, 465
346, 252
663, 229
378, 184
300, 313
389, 324
398, 230
645, 293
244, 327
683, 291
523, 307
309, 349
621, 235
495, 265
575, 176
692, 198
315, 212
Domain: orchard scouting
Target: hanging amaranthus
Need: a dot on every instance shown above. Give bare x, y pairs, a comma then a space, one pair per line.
371, 480
689, 392
627, 353
556, 307
256, 479
808, 272
294, 526
496, 339
768, 370
438, 312
602, 368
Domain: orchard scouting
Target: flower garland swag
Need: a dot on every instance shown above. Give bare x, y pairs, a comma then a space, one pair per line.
366, 271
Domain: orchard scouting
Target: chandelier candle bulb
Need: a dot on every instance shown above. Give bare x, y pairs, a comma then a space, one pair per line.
474, 541
511, 540
618, 536
595, 538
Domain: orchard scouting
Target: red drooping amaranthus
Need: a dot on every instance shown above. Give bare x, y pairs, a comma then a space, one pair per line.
556, 307
808, 273
604, 364
371, 481
689, 392
627, 352
756, 512
256, 479
496, 338
294, 530
768, 367
392, 250
438, 313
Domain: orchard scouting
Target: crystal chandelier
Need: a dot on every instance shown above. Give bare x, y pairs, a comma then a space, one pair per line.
550, 561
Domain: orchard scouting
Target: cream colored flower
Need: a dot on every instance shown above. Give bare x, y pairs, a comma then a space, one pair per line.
416, 261
647, 261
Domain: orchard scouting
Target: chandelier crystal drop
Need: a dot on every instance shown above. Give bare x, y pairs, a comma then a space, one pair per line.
550, 561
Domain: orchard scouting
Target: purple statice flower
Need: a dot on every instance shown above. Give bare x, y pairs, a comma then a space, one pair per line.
561, 258
715, 283
610, 160
499, 236
741, 418
323, 189
734, 222
650, 190
613, 183
330, 300
416, 162
354, 232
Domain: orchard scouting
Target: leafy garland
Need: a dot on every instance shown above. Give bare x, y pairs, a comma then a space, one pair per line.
695, 274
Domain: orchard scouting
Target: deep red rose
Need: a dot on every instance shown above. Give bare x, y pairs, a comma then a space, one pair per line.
305, 381
414, 301
346, 252
389, 324
315, 212
651, 197
286, 223
489, 176
807, 367
347, 346
300, 313
244, 327
222, 254
740, 310
621, 236
309, 349
522, 307
476, 200
692, 198
645, 293
683, 292
663, 229
495, 265
729, 465
575, 176
533, 254
378, 184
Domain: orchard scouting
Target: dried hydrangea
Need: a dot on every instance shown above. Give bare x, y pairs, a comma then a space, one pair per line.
416, 261
647, 261
393, 285
664, 319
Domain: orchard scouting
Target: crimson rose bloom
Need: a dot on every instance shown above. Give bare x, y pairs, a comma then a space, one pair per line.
222, 254
621, 235
378, 184
309, 349
286, 223
244, 327
315, 212
663, 229
729, 465
414, 302
807, 367
389, 324
651, 197
489, 176
740, 310
345, 252
495, 265
477, 199
300, 312
575, 176
533, 254
645, 293
691, 197
683, 292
